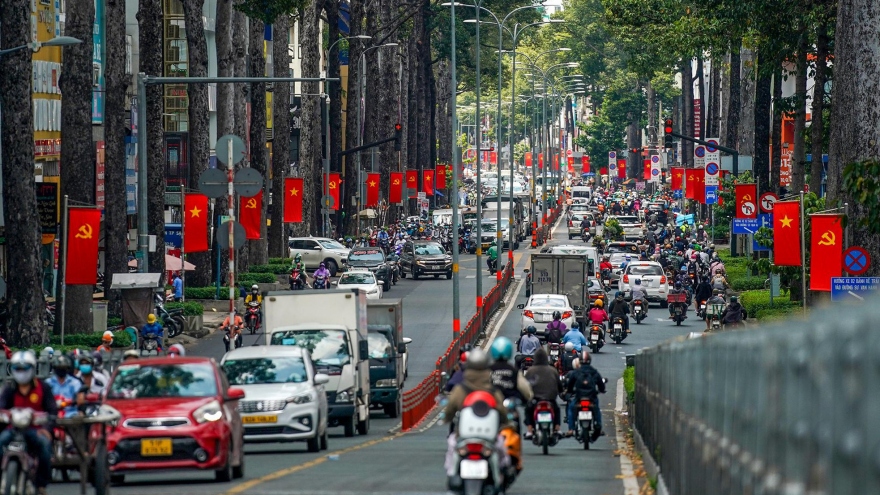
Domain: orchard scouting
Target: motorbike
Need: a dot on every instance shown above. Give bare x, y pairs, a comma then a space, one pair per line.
678, 302
618, 333
150, 342
584, 424
714, 313
640, 312
321, 283
543, 420
555, 349
252, 317
606, 277
478, 466
493, 265
297, 279
701, 310
595, 337
173, 319
19, 466
227, 337
526, 362
585, 234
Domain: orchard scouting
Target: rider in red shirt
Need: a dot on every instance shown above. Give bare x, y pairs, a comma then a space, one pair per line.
605, 264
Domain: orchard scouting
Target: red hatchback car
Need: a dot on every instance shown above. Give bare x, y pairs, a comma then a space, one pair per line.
175, 413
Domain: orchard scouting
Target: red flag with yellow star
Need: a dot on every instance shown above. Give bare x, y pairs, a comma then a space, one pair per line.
678, 178
251, 215
372, 189
83, 234
293, 200
826, 250
195, 222
787, 233
428, 182
395, 191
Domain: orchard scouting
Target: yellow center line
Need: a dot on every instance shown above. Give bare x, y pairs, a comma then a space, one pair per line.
247, 485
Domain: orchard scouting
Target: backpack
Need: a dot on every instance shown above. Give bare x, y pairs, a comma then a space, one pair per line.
554, 334
583, 383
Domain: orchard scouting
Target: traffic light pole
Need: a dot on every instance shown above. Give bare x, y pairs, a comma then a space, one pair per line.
734, 153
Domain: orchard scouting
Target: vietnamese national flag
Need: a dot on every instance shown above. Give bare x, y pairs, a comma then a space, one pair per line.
646, 169
528, 159
440, 177
786, 233
428, 182
195, 222
395, 191
700, 186
332, 185
746, 201
293, 200
493, 157
677, 178
83, 235
372, 189
412, 182
251, 215
690, 186
826, 250
585, 163
540, 160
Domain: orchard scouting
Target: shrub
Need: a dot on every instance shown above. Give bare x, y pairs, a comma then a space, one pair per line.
280, 261
757, 300
114, 321
189, 308
89, 341
251, 278
747, 284
629, 382
277, 269
777, 314
205, 292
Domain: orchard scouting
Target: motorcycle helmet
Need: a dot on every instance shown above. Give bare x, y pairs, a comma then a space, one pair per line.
298, 258
502, 349
531, 330
24, 366
575, 363
628, 258
177, 350
98, 358
618, 295
734, 299
62, 366
585, 357
255, 288
599, 303
130, 354
151, 318
575, 325
557, 315
322, 265
48, 351
637, 281
478, 360
107, 338
465, 349
677, 284
717, 292
569, 347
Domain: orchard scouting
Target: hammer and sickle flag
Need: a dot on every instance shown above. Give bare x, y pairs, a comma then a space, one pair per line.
83, 235
251, 215
745, 201
395, 191
195, 223
440, 177
293, 200
412, 182
334, 182
826, 250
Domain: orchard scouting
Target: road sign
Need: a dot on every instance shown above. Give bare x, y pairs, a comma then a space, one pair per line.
711, 194
767, 201
713, 171
751, 225
747, 207
612, 154
856, 260
214, 183
421, 195
655, 158
853, 288
248, 182
712, 149
569, 152
222, 147
238, 235
655, 172
327, 201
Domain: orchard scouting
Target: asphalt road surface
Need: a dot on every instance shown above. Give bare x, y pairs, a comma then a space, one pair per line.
388, 462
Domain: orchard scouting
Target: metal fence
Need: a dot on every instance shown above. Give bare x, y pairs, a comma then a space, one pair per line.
788, 409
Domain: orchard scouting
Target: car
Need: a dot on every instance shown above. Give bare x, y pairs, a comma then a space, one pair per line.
361, 279
488, 231
175, 413
574, 223
655, 283
595, 289
420, 258
286, 400
315, 250
632, 226
372, 259
622, 247
538, 311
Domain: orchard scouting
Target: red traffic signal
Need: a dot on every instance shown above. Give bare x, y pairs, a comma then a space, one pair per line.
397, 127
667, 126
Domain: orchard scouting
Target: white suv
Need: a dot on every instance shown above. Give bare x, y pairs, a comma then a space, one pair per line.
315, 250
654, 281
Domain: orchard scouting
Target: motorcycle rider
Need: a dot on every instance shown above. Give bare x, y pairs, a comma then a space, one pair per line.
734, 313
585, 382
63, 384
300, 270
154, 327
382, 237
574, 337
717, 298
555, 329
702, 292
605, 264
130, 355
569, 356
676, 289
458, 370
506, 376
322, 273
546, 385
619, 308
234, 331
626, 261
93, 380
639, 294
255, 296
493, 255
528, 344
599, 316
28, 392
719, 281
106, 342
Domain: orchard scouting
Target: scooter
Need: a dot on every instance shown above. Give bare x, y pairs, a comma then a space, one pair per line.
554, 353
321, 283
526, 362
19, 467
678, 302
227, 337
493, 265
639, 311
617, 330
150, 342
478, 466
252, 317
596, 337
297, 280
543, 420
584, 423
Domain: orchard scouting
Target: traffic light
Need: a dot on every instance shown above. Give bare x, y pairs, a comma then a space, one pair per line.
667, 131
397, 136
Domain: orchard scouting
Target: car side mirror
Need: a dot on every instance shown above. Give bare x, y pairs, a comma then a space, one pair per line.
401, 348
316, 248
322, 379
363, 349
526, 270
234, 394
335, 282
520, 306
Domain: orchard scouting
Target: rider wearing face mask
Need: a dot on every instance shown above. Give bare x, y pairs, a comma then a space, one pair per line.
64, 385
93, 380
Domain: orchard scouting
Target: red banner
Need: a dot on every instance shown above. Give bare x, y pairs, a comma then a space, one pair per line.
412, 182
493, 157
786, 233
195, 222
395, 191
372, 190
826, 250
678, 178
603, 171
540, 160
700, 186
585, 163
571, 165
250, 215
646, 169
621, 168
83, 235
746, 201
293, 200
690, 186
528, 158
428, 182
333, 187
440, 177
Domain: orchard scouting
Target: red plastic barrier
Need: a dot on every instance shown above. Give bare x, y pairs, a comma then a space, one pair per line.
418, 402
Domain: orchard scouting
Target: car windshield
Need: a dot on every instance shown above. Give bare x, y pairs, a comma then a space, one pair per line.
489, 226
429, 249
135, 381
617, 258
327, 347
330, 244
568, 250
379, 345
621, 248
645, 270
357, 278
366, 255
256, 371
627, 220
548, 302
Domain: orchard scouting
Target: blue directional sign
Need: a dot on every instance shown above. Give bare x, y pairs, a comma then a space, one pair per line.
711, 195
751, 225
677, 194
853, 288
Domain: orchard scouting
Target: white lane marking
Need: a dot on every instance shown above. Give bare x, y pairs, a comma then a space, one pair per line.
470, 276
500, 321
630, 484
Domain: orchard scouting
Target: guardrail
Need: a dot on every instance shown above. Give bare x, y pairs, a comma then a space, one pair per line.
418, 401
790, 408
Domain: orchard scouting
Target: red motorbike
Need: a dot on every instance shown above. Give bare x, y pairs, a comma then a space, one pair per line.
252, 317
543, 420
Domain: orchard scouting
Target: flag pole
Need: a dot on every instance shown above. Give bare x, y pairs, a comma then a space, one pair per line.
64, 272
803, 256
182, 273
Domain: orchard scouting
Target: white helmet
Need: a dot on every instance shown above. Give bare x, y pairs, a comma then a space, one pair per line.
24, 366
569, 346
255, 287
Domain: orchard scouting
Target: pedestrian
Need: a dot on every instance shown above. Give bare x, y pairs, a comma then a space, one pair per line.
177, 283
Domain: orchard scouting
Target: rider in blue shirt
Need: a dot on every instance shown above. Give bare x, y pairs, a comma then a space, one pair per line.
575, 336
64, 385
153, 326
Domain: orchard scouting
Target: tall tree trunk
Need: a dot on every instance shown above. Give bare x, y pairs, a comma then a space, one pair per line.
353, 102
258, 253
776, 138
817, 124
687, 109
701, 90
199, 125
240, 108
444, 119
24, 291
855, 135
799, 152
712, 124
652, 114
731, 113
334, 89
310, 136
149, 18
746, 128
226, 97
763, 94
115, 85
77, 147
277, 239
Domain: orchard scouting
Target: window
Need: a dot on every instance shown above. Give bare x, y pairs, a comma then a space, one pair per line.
163, 380
328, 348
651, 270
379, 345
357, 278
256, 371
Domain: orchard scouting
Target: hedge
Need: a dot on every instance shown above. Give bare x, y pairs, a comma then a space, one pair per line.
777, 314
747, 284
256, 278
280, 261
189, 308
629, 382
205, 292
756, 301
277, 269
89, 341
114, 321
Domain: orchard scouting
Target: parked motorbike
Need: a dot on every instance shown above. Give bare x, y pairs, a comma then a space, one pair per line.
19, 466
618, 333
640, 311
173, 319
544, 434
596, 337
252, 317
478, 464
237, 339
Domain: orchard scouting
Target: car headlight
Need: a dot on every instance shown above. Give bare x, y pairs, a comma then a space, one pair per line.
374, 291
381, 266
346, 395
301, 398
420, 263
209, 412
388, 382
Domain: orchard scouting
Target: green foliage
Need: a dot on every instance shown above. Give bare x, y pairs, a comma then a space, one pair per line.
629, 382
205, 292
278, 269
613, 230
189, 308
861, 180
89, 341
114, 321
281, 261
251, 278
269, 10
746, 284
777, 313
757, 300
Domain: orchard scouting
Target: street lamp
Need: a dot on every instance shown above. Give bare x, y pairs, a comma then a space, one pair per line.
36, 45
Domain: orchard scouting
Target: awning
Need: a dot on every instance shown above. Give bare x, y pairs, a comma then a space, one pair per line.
172, 263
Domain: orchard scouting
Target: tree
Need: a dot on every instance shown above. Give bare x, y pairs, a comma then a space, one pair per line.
334, 91
226, 98
24, 294
115, 85
353, 93
257, 248
77, 147
277, 240
310, 165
